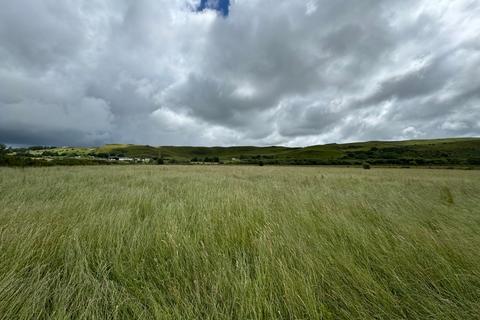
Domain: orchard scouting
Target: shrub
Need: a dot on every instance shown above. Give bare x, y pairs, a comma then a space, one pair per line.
366, 166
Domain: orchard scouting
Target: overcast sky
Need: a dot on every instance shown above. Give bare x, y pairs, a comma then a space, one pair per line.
239, 72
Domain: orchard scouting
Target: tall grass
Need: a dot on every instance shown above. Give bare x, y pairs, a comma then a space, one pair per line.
155, 242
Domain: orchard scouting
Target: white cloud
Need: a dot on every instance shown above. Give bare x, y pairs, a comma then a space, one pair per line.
289, 72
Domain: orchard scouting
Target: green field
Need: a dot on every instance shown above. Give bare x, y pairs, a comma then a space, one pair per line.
239, 242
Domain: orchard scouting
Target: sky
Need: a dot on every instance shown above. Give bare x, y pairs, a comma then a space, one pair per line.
238, 72
222, 6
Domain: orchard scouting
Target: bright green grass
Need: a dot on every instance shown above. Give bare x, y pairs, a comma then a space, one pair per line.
172, 242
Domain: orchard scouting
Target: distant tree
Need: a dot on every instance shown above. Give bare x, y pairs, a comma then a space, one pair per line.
475, 161
103, 155
3, 152
159, 159
215, 159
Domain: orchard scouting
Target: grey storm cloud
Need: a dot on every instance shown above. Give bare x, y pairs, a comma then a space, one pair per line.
271, 72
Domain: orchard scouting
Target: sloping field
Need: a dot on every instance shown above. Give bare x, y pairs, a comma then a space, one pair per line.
199, 242
439, 152
451, 151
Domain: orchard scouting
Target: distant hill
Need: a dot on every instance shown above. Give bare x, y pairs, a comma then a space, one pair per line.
412, 152
439, 152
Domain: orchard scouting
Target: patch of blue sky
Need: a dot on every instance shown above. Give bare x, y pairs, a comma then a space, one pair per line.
222, 6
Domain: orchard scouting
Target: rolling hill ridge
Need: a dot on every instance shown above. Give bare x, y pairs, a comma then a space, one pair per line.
439, 151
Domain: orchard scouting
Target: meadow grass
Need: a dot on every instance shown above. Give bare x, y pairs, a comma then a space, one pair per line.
220, 242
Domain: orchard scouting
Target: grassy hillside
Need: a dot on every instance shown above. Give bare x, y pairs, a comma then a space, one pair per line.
193, 242
444, 151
